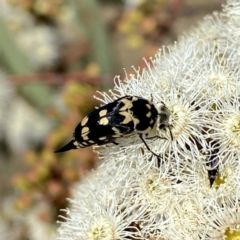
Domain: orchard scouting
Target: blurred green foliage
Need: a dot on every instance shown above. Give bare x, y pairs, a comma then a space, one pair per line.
148, 22
50, 176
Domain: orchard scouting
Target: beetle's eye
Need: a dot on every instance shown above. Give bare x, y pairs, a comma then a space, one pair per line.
163, 117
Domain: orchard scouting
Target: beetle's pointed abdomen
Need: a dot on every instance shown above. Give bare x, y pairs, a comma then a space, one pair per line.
69, 146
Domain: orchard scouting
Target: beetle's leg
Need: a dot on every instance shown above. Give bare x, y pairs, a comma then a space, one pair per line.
171, 135
148, 148
156, 137
115, 143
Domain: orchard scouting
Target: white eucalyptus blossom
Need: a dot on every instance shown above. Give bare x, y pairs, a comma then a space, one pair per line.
191, 191
100, 215
223, 221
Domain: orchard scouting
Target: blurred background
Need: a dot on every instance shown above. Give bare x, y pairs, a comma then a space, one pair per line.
54, 56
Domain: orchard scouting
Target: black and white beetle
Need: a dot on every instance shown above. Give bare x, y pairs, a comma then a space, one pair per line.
124, 116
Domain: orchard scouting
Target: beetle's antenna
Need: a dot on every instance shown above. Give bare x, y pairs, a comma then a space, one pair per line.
170, 133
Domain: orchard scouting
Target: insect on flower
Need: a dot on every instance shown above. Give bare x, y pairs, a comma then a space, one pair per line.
124, 116
212, 163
